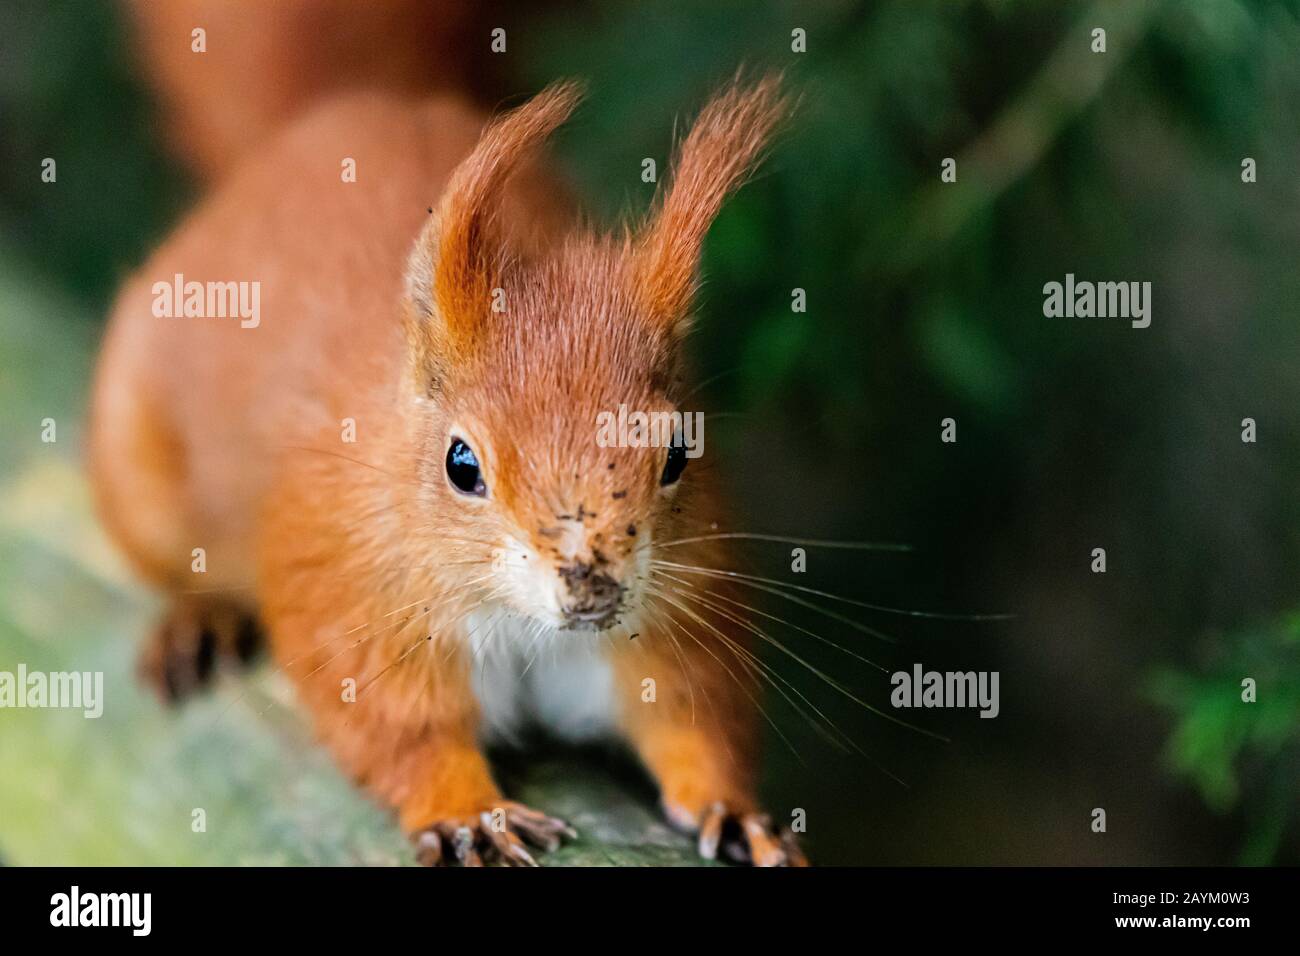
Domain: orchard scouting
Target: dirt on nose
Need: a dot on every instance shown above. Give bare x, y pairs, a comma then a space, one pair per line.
590, 589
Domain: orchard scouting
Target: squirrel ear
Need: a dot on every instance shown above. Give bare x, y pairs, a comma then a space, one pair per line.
723, 145
457, 259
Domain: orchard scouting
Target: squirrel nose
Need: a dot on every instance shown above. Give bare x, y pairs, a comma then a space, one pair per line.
594, 596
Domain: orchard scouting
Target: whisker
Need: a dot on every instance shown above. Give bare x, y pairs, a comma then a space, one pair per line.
407, 653
286, 666
834, 683
779, 620
349, 574
782, 539
707, 382
681, 663
833, 615
424, 638
477, 649
708, 698
356, 461
535, 633
933, 615
730, 673
757, 668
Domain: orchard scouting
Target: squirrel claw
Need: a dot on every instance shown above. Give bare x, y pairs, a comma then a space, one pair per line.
747, 838
192, 638
496, 836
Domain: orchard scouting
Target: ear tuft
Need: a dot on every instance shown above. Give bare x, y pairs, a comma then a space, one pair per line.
457, 259
723, 146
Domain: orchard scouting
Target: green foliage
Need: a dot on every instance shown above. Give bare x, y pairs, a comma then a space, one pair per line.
1219, 738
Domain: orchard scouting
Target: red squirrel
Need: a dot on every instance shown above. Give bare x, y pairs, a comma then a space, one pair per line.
394, 471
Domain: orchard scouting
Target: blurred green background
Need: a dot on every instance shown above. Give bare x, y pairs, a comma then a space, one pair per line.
1119, 690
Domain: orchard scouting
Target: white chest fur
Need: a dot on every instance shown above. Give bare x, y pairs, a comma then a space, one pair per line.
558, 681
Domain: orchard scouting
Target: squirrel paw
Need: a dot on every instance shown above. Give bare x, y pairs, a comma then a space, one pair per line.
496, 835
748, 838
181, 654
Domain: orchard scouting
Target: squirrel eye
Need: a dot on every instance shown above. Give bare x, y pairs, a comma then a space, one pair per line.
463, 470
676, 462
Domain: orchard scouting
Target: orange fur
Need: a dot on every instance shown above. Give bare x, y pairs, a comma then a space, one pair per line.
267, 60
366, 565
720, 150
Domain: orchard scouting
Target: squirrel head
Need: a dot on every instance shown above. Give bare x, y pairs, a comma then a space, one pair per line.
522, 358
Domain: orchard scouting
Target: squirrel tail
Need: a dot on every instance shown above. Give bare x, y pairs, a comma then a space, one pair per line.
229, 72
